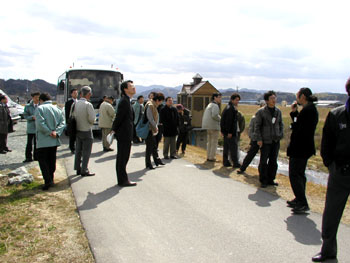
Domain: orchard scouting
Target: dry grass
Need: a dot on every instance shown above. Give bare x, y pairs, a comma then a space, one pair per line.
38, 226
315, 193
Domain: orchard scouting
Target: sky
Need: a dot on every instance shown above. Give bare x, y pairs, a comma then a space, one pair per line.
280, 45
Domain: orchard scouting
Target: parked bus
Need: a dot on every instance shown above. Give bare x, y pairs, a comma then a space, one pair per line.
102, 81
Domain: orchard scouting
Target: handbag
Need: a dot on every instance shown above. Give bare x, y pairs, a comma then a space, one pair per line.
72, 124
109, 138
142, 127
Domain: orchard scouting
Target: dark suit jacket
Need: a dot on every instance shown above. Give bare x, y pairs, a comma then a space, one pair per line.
228, 122
123, 124
169, 117
302, 143
67, 108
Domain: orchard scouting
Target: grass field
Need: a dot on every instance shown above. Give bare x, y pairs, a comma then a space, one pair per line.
315, 162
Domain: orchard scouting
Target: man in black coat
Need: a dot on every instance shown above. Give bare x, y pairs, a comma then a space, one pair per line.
123, 127
67, 109
335, 152
170, 120
301, 146
228, 124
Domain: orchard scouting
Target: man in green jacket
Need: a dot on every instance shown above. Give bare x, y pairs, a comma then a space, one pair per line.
28, 114
50, 124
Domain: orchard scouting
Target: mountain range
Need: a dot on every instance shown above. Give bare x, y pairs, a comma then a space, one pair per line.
18, 88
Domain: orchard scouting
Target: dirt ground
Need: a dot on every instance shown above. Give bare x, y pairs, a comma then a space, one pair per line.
38, 226
315, 193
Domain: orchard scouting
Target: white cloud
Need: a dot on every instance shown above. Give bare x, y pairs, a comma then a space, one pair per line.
251, 44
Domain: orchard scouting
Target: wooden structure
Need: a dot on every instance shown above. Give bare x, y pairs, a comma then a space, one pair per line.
195, 97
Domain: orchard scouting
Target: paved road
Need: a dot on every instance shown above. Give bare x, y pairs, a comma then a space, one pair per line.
182, 213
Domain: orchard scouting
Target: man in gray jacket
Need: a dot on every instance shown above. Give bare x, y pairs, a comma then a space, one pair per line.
268, 132
211, 122
28, 114
84, 113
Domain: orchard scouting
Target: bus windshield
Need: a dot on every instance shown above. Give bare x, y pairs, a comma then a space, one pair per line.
101, 82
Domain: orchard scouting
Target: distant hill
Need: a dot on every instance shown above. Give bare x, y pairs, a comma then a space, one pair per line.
247, 94
18, 88
167, 91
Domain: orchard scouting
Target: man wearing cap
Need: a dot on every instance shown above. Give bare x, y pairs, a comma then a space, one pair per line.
105, 121
335, 152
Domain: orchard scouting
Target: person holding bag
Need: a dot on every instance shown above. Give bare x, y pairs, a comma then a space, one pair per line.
153, 118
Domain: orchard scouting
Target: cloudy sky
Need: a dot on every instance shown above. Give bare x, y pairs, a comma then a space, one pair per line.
281, 45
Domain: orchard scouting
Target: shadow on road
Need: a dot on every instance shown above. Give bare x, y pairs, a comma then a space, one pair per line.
105, 159
93, 200
303, 229
262, 198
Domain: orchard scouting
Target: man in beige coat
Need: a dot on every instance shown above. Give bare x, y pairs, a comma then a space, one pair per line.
107, 114
211, 122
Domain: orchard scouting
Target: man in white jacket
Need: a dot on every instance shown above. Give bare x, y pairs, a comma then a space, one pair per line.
211, 122
105, 121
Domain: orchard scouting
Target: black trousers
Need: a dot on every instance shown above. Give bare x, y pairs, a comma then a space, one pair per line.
47, 162
31, 139
182, 140
253, 150
3, 141
230, 147
123, 155
268, 162
338, 191
151, 149
297, 178
72, 139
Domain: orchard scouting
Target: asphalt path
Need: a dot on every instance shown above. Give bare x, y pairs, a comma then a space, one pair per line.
183, 213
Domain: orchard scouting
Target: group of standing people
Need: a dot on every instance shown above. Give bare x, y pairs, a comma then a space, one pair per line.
266, 131
46, 123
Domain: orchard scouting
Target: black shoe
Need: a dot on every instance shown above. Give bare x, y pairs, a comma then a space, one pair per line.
88, 174
3, 152
173, 157
227, 164
28, 160
46, 187
241, 171
149, 166
237, 165
8, 150
292, 203
159, 162
166, 157
128, 183
272, 183
321, 258
301, 209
